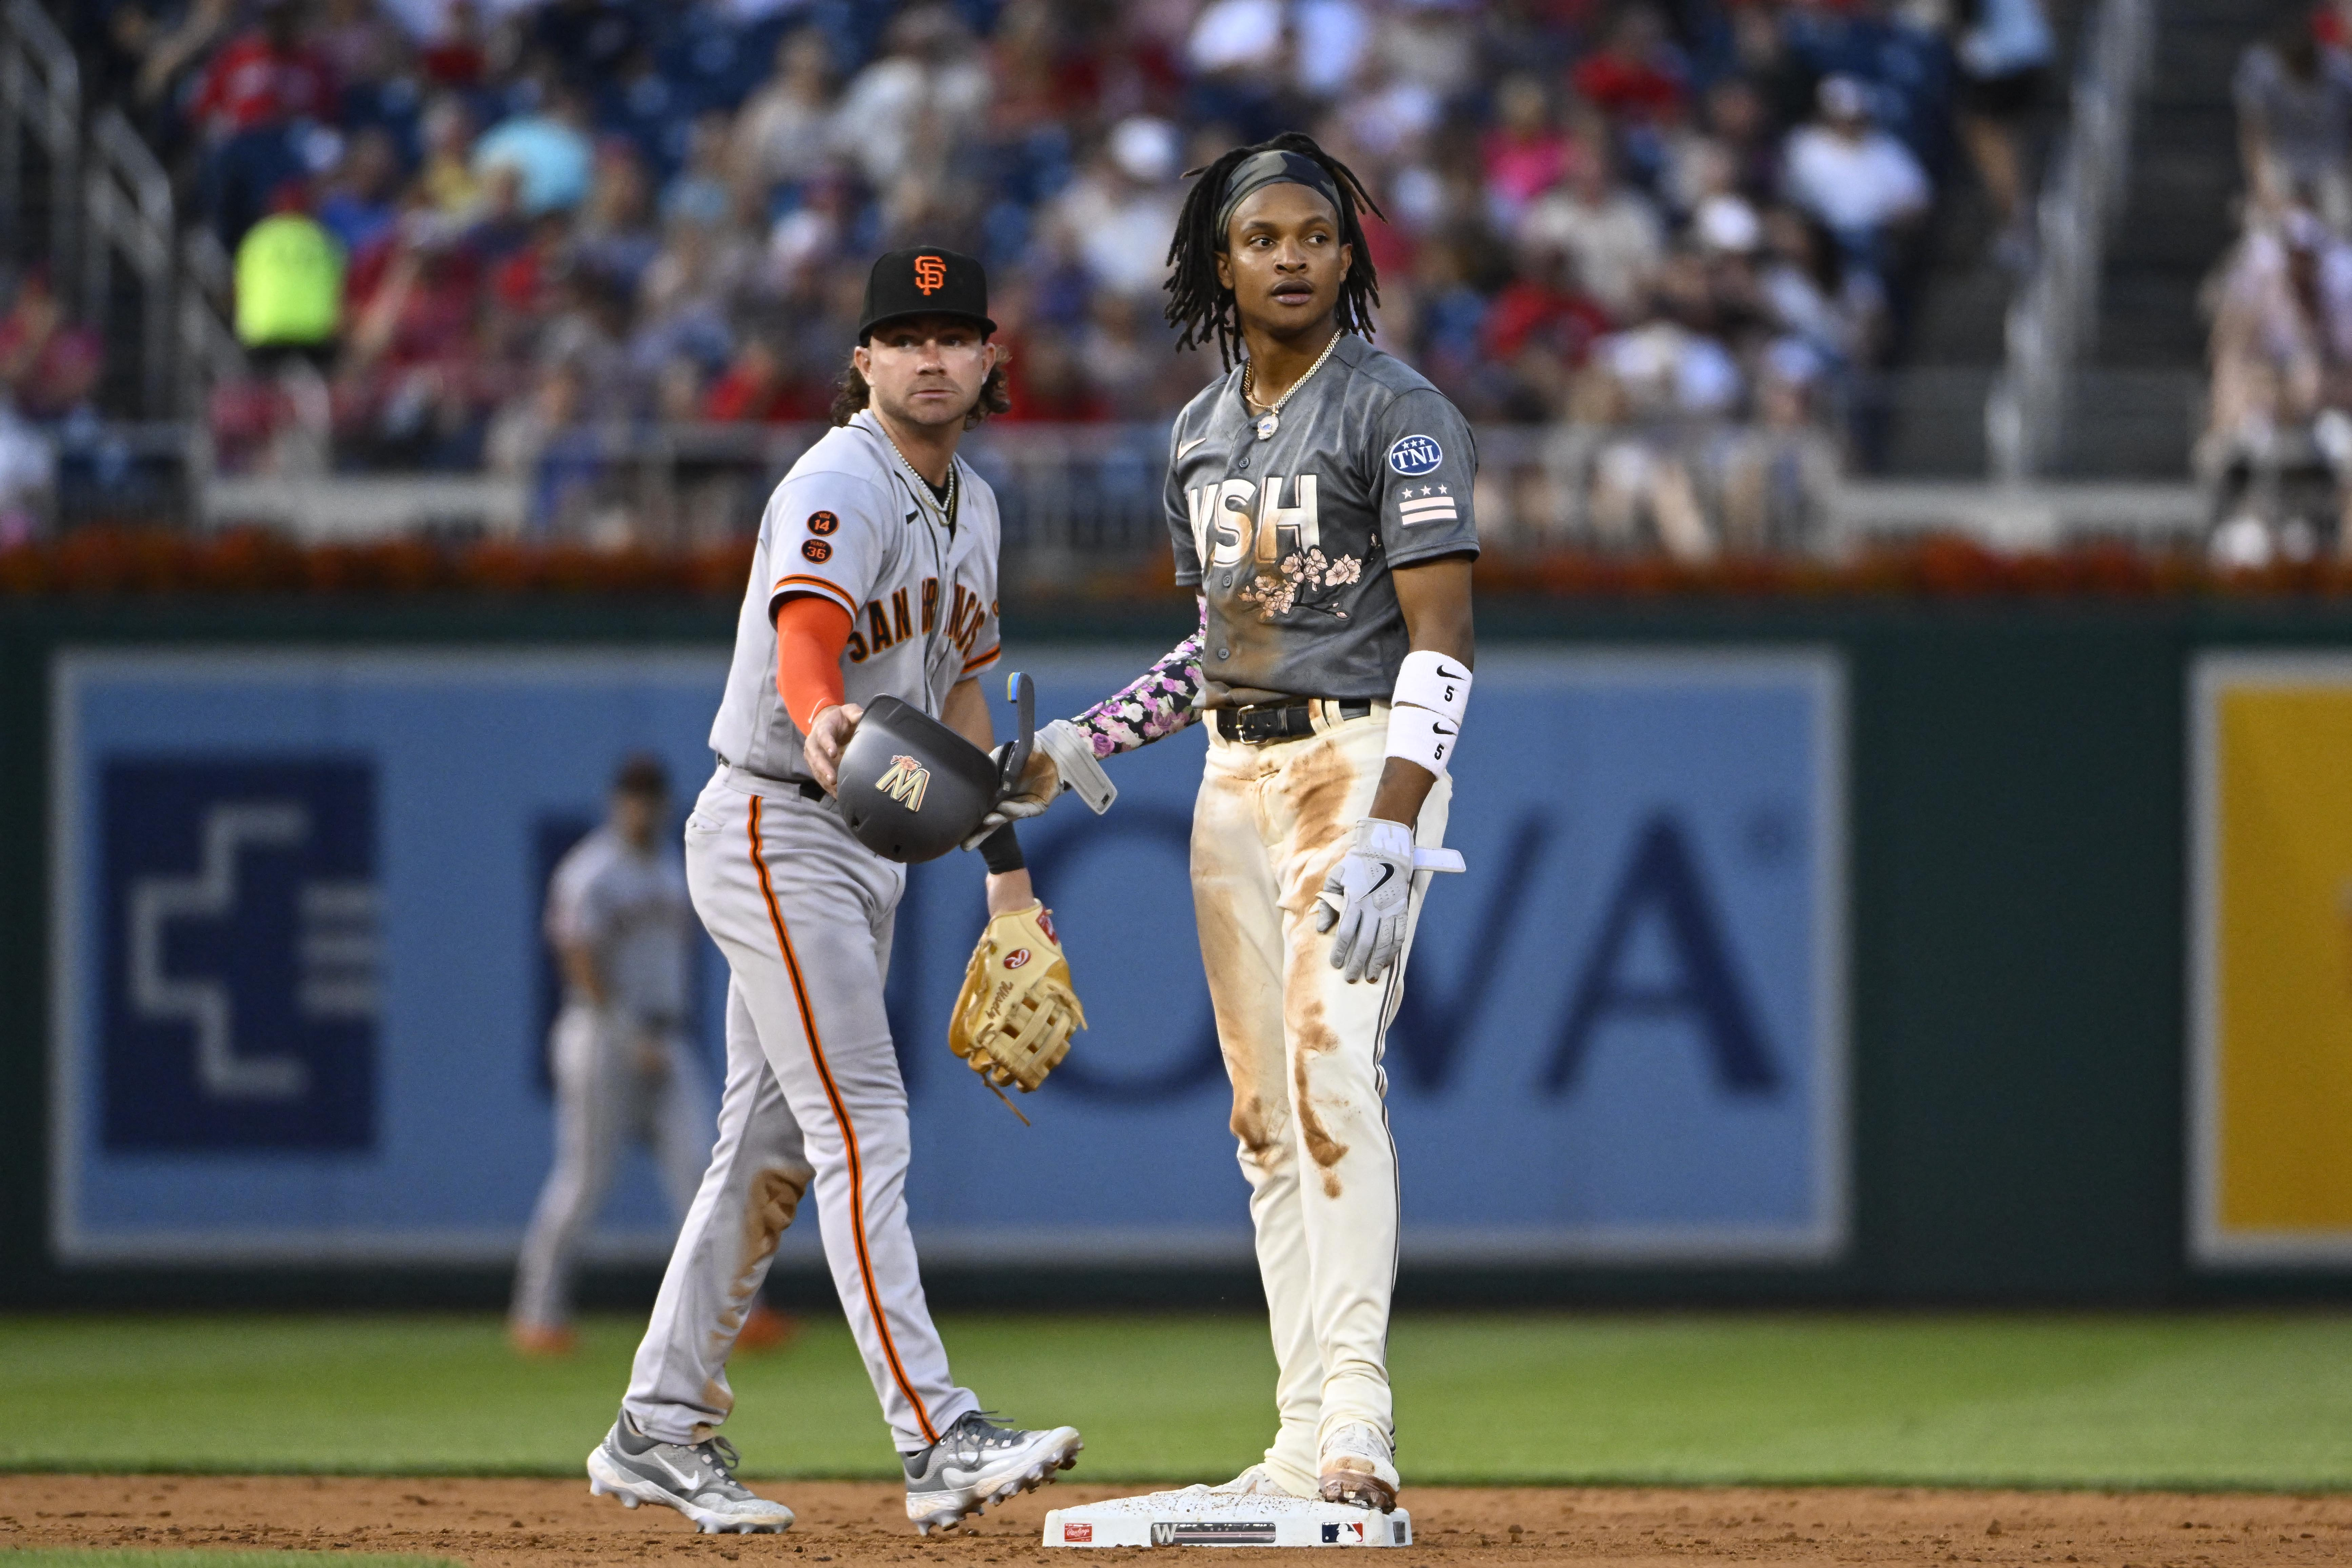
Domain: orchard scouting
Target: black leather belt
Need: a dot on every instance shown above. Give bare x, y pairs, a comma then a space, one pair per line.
812, 790
1262, 723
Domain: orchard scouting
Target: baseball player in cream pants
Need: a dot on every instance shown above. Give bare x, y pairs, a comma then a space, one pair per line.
1320, 498
1303, 1049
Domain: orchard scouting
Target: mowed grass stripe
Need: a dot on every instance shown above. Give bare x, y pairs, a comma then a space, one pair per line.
2258, 1401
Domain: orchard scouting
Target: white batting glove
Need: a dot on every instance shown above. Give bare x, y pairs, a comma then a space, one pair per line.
1064, 759
1367, 896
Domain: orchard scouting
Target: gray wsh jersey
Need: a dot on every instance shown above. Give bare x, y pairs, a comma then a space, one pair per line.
1291, 541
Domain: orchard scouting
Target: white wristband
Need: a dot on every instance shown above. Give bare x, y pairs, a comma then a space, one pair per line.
1417, 735
1433, 681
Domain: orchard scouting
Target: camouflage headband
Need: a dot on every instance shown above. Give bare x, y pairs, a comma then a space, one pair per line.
1273, 167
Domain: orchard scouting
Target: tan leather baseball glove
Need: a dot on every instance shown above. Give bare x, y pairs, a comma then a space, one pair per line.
1016, 1013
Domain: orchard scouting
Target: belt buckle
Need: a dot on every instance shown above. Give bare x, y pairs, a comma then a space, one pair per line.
1272, 721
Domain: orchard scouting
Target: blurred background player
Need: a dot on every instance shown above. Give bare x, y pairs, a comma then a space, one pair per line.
875, 575
618, 920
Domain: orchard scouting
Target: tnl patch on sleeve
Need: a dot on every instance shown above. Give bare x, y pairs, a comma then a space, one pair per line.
1413, 456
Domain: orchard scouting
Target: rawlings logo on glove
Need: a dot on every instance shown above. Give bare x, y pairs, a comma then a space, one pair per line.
1014, 1017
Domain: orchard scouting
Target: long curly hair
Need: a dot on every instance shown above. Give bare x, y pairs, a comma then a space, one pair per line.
1202, 308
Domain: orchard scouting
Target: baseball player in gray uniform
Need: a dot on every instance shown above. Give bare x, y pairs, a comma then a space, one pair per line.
618, 920
874, 574
1319, 499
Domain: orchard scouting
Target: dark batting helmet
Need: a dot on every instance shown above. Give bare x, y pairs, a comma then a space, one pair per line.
912, 789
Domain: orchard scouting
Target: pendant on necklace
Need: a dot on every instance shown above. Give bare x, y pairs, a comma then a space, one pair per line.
1267, 423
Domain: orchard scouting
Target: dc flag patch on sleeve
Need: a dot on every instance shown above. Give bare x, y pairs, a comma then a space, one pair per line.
1413, 456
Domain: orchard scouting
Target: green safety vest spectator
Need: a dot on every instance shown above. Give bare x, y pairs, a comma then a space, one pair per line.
289, 283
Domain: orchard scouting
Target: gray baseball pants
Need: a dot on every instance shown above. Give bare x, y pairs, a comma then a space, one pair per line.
607, 1097
814, 1101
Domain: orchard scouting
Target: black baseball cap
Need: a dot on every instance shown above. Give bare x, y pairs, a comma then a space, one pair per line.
925, 281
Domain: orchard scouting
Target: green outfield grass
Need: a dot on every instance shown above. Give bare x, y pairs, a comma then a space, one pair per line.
2239, 1400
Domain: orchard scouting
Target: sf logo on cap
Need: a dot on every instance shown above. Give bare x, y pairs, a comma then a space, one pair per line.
930, 273
905, 781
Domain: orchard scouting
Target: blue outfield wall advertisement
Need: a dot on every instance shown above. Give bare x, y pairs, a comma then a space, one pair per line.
301, 996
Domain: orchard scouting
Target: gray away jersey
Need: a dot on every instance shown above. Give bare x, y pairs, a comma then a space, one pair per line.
1291, 541
631, 912
850, 523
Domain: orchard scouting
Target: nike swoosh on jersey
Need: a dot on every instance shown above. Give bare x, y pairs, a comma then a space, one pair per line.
1188, 446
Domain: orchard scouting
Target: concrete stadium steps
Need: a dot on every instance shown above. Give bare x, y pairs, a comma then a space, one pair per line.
2177, 216
1934, 418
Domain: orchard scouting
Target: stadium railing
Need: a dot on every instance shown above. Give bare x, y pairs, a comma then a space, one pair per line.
1073, 497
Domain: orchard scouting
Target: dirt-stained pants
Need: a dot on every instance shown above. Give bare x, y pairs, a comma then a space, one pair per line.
1303, 1049
802, 913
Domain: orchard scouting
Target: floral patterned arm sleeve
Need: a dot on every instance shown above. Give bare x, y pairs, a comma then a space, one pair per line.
1154, 707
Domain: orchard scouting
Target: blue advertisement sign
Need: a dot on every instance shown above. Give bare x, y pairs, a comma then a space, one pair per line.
302, 992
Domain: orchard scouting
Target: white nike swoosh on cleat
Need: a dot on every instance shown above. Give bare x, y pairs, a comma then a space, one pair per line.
1188, 445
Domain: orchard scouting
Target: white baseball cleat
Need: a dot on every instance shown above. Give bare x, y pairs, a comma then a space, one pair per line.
1356, 1468
976, 1463
698, 1479
1256, 1481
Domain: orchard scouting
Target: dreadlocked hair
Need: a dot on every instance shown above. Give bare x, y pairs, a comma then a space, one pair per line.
1202, 308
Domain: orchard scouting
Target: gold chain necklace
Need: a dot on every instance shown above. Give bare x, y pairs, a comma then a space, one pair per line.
1271, 420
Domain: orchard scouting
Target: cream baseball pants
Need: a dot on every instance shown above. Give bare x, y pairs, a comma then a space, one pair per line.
1303, 1050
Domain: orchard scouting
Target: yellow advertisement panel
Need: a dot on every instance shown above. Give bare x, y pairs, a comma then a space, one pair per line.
2271, 1067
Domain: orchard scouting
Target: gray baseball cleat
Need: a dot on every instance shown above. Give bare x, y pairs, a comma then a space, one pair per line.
698, 1479
976, 1463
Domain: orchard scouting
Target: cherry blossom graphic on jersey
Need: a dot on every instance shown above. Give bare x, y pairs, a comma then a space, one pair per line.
1308, 582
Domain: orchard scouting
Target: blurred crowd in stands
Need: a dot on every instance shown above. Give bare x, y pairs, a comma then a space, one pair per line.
487, 234
2276, 451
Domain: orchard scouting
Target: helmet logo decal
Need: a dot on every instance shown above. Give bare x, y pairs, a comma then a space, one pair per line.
1016, 958
930, 273
905, 781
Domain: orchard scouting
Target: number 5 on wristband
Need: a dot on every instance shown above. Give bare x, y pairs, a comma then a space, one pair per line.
1432, 692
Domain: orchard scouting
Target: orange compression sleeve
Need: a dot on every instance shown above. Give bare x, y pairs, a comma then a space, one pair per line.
811, 633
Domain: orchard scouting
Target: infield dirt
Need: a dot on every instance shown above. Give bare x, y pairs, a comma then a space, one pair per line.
846, 1524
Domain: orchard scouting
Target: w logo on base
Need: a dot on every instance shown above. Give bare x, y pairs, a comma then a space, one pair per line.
905, 781
930, 273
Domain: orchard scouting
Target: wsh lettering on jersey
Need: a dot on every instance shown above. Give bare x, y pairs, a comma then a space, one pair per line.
243, 954
1237, 517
